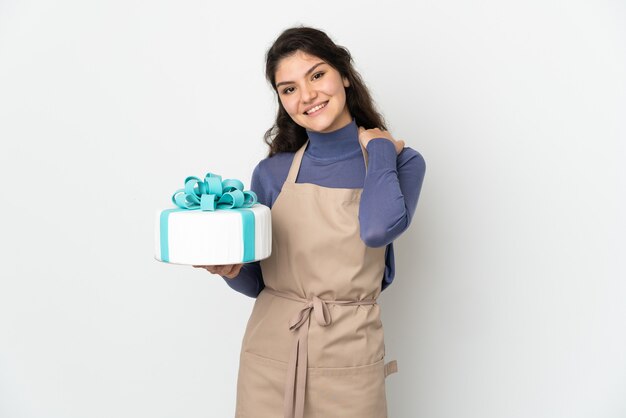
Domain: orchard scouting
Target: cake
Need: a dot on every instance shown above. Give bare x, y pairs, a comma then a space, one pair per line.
215, 222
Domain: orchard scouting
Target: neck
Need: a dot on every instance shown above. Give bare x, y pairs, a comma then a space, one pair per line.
334, 145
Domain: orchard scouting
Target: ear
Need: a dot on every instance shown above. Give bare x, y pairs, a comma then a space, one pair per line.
346, 82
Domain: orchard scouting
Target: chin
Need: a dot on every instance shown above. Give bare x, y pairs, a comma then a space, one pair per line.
320, 126
322, 129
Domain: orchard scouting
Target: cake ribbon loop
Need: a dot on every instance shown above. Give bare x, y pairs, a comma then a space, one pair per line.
213, 193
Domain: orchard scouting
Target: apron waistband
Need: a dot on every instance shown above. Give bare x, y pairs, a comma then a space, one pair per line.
298, 361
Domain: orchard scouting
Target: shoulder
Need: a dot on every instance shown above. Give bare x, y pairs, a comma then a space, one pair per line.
412, 158
273, 169
269, 175
275, 163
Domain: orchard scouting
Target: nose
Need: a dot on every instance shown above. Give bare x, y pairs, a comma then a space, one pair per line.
308, 93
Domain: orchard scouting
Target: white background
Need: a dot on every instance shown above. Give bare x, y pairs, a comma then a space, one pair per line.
509, 300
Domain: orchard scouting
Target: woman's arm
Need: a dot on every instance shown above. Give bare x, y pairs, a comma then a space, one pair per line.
390, 193
249, 281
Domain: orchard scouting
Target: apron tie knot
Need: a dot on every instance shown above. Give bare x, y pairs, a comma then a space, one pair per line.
319, 307
322, 314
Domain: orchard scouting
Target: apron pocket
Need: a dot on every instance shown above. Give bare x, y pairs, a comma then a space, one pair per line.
347, 392
335, 392
260, 387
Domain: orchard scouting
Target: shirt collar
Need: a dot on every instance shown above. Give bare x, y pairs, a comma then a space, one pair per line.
334, 145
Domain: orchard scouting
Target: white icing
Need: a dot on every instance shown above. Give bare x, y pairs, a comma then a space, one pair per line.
213, 238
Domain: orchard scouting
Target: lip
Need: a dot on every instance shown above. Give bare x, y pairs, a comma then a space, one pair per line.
325, 103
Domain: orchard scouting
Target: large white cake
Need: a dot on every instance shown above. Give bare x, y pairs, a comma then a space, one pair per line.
215, 222
197, 237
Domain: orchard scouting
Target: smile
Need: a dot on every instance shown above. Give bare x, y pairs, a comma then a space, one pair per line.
315, 109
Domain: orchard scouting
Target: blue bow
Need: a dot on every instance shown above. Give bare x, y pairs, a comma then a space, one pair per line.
213, 193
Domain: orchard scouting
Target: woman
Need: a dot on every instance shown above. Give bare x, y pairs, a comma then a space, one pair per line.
341, 189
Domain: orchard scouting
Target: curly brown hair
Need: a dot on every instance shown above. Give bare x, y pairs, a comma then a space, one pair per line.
287, 136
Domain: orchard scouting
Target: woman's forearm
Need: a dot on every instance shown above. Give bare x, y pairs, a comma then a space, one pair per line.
249, 281
390, 193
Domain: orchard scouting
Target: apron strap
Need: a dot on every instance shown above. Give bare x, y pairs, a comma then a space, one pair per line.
295, 165
365, 155
391, 367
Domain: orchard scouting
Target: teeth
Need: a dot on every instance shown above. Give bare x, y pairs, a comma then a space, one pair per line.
316, 108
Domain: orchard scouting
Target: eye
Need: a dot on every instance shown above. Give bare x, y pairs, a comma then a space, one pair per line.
318, 75
288, 90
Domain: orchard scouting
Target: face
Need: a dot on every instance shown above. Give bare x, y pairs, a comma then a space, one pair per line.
312, 92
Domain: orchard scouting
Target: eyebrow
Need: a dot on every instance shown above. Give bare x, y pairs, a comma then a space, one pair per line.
307, 73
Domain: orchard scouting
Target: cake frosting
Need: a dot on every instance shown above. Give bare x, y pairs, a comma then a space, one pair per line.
217, 237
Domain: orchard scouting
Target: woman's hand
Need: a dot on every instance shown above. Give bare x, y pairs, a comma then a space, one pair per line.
227, 270
366, 135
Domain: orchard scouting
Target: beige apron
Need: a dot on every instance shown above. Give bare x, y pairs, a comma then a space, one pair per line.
314, 344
